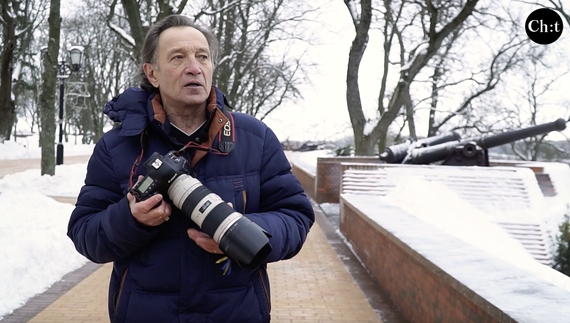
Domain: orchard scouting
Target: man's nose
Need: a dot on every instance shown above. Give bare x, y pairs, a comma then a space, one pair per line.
193, 67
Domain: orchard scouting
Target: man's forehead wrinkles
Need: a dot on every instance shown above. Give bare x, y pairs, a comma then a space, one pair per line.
187, 48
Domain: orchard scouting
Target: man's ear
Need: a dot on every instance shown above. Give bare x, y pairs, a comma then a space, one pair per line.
149, 71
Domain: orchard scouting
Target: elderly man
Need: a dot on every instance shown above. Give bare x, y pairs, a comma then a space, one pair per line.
165, 267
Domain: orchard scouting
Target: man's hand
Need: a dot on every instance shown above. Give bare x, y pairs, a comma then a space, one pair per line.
204, 241
147, 212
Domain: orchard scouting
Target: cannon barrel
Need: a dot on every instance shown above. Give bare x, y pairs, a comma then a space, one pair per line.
439, 152
395, 154
491, 141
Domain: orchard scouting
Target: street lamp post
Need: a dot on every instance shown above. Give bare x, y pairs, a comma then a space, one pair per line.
65, 70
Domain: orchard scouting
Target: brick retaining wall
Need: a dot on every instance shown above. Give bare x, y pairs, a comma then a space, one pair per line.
440, 287
329, 175
432, 276
306, 179
421, 291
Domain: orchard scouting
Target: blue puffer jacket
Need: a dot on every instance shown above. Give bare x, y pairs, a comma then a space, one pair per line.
159, 273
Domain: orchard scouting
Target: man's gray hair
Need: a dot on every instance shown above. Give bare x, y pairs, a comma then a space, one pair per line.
150, 45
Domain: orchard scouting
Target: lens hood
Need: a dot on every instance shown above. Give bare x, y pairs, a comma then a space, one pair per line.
246, 243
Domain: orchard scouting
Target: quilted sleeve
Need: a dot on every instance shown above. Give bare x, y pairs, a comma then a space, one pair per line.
101, 226
285, 211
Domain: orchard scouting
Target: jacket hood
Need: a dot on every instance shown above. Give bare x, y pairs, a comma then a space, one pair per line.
130, 108
133, 109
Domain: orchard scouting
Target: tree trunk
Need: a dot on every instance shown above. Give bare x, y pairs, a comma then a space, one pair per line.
401, 93
133, 12
434, 101
7, 107
47, 96
362, 142
410, 116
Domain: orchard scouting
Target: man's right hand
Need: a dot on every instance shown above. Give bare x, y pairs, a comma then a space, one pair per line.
147, 212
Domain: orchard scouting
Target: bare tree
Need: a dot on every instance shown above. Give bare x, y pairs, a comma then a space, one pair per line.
509, 58
19, 20
484, 81
48, 88
8, 10
260, 66
27, 72
529, 101
106, 70
552, 4
413, 33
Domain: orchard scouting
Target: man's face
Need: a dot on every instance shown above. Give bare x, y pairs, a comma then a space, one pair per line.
183, 70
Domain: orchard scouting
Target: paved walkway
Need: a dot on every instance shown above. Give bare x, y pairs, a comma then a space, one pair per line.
323, 283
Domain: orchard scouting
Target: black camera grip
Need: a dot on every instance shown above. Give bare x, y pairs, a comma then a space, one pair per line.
139, 197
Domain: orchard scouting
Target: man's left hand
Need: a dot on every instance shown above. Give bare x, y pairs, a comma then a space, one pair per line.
204, 241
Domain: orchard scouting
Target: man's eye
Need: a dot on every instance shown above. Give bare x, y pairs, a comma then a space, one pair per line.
203, 56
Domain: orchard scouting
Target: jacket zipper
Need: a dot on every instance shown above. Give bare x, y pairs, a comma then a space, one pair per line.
120, 291
265, 289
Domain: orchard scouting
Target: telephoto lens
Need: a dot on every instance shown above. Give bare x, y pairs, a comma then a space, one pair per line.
238, 237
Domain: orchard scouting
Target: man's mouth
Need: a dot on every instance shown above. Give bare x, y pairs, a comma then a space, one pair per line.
193, 84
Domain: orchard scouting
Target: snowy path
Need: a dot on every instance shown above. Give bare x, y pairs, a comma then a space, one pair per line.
11, 166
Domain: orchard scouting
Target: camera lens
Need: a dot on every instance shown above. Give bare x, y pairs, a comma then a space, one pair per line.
239, 238
247, 241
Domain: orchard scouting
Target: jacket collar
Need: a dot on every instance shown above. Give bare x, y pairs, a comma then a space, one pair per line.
215, 106
136, 109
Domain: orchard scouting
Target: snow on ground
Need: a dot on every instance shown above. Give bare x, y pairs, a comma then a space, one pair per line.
34, 247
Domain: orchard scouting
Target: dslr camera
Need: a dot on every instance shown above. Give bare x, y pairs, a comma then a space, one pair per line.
238, 237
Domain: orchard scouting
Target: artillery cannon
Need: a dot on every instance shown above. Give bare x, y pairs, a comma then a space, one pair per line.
397, 153
451, 150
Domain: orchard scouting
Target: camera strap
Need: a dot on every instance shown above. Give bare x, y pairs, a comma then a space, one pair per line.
226, 139
144, 143
226, 136
226, 143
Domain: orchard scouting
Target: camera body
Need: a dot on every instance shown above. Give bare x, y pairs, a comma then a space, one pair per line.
238, 237
161, 172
